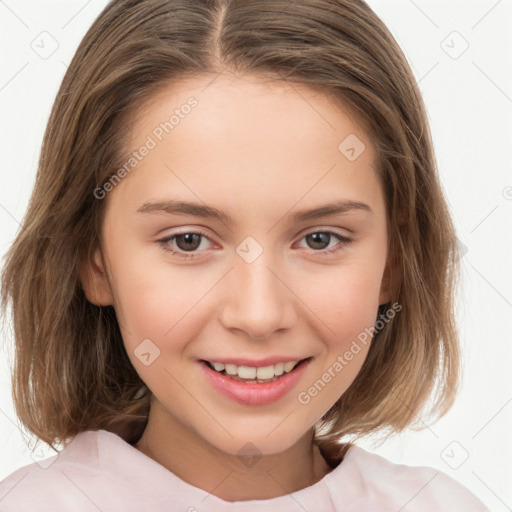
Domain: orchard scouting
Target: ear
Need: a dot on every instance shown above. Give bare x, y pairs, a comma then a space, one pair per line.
94, 279
390, 283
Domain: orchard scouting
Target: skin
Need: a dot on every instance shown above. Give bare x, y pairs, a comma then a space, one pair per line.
259, 151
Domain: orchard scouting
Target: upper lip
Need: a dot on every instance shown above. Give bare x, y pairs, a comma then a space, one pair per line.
257, 363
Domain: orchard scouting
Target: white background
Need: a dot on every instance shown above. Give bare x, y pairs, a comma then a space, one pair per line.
469, 102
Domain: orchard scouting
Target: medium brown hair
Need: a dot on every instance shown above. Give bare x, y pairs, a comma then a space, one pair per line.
71, 370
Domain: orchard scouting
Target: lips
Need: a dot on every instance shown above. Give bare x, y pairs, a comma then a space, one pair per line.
253, 392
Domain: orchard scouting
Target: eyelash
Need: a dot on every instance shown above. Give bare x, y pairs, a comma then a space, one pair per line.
164, 243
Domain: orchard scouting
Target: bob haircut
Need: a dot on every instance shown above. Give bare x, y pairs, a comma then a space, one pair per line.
71, 371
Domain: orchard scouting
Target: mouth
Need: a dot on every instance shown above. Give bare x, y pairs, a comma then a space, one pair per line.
254, 386
254, 374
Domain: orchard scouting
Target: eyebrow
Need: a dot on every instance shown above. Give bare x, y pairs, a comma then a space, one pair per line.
172, 206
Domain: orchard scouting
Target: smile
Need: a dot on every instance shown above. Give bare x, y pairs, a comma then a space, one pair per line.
244, 385
251, 373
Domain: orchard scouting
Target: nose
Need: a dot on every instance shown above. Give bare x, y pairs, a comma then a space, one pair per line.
259, 301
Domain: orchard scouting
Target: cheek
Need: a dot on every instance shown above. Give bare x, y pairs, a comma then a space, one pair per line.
155, 301
159, 312
345, 304
345, 301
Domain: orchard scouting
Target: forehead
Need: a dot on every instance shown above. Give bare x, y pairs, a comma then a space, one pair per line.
249, 136
229, 97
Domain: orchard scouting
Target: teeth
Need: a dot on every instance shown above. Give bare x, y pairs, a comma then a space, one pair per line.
279, 369
218, 366
289, 366
250, 372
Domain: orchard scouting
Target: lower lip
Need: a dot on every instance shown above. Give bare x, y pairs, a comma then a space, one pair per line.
254, 394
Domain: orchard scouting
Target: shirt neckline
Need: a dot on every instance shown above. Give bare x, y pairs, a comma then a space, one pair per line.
116, 448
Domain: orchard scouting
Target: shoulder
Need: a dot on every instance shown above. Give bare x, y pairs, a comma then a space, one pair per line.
49, 481
77, 478
96, 470
379, 484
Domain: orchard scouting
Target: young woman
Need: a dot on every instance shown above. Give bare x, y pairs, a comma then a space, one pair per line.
237, 260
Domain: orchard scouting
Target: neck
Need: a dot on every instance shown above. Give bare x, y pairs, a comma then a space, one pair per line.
232, 478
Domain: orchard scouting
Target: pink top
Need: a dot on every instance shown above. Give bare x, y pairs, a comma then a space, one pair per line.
99, 471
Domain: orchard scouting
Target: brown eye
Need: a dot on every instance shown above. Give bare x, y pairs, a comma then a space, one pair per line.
320, 241
188, 241
185, 245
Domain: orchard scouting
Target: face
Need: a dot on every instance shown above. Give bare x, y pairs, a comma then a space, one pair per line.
245, 275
